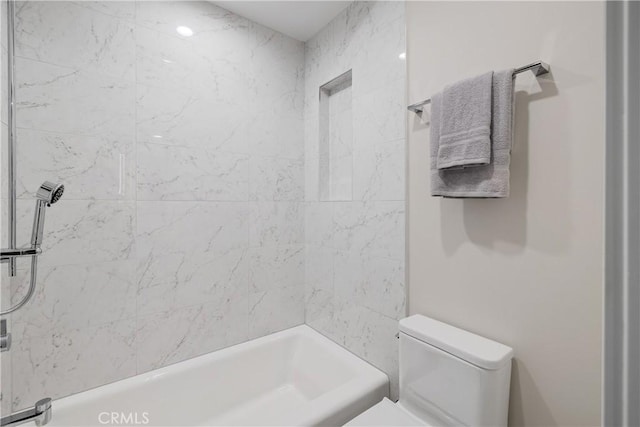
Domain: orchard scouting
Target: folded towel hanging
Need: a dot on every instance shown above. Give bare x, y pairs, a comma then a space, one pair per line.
465, 123
490, 180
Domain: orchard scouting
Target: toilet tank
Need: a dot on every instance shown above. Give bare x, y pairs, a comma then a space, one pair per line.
449, 376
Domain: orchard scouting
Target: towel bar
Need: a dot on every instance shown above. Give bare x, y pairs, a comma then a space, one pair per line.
538, 68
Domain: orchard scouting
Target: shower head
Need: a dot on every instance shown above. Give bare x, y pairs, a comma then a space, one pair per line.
47, 194
50, 192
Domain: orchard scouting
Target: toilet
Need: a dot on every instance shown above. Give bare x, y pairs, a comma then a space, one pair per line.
448, 377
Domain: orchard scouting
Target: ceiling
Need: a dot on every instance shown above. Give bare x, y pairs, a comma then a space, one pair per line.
298, 19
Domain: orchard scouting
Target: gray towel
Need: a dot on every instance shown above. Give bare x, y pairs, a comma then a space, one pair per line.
465, 129
491, 180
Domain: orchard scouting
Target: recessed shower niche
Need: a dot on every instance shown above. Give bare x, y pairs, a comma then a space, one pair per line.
336, 139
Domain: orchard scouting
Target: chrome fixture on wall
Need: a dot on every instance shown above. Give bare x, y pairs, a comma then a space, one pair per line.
47, 194
40, 414
11, 133
538, 68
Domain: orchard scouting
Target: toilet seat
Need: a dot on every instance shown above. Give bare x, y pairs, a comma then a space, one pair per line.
386, 413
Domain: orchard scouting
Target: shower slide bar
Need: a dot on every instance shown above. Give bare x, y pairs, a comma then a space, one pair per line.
538, 68
47, 194
11, 134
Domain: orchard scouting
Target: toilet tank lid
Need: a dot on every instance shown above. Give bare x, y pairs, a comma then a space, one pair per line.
480, 351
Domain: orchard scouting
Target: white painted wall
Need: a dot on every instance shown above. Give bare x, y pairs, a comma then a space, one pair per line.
526, 271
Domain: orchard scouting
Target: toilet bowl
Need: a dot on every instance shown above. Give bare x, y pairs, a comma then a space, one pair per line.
448, 377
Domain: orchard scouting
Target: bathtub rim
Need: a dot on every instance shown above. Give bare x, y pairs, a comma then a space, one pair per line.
325, 407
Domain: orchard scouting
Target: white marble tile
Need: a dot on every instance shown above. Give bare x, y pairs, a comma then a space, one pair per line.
3, 24
341, 134
166, 61
190, 118
123, 9
340, 178
318, 284
280, 61
90, 166
4, 153
319, 228
157, 280
319, 307
340, 101
319, 266
182, 279
389, 41
67, 296
371, 336
311, 135
274, 267
379, 171
191, 253
61, 363
191, 173
376, 283
82, 231
6, 391
207, 21
276, 223
276, 130
372, 229
312, 169
276, 179
356, 29
379, 116
341, 160
67, 34
386, 11
167, 229
8, 283
368, 234
5, 357
169, 337
275, 310
3, 90
60, 99
312, 179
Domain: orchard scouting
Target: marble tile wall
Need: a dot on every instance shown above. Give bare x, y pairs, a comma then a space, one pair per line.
181, 230
355, 248
336, 142
191, 219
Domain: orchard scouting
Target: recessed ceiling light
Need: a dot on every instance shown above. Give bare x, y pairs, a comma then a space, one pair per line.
184, 31
403, 55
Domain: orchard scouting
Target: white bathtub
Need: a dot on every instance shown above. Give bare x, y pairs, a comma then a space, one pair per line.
293, 377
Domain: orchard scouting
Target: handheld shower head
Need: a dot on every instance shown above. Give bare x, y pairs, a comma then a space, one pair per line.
50, 192
47, 194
